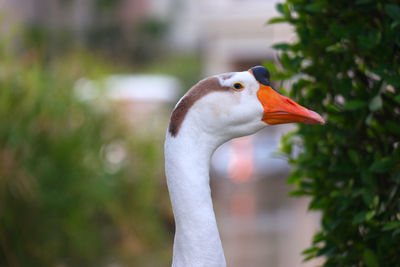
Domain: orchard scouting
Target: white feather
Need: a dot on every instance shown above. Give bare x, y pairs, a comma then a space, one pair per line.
212, 120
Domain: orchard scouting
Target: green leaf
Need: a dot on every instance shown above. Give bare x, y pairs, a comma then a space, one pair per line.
270, 66
295, 177
363, 216
279, 7
338, 47
368, 197
396, 178
355, 158
359, 217
393, 11
282, 46
332, 108
299, 193
370, 258
397, 98
375, 201
391, 225
362, 2
367, 178
396, 232
367, 40
393, 127
283, 9
382, 165
376, 103
393, 80
310, 250
309, 258
370, 215
354, 105
336, 193
276, 20
318, 237
314, 8
369, 118
339, 31
395, 24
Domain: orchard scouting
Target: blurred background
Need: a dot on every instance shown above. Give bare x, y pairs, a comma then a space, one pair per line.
87, 87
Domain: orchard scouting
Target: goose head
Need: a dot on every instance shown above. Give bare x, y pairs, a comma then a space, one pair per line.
236, 104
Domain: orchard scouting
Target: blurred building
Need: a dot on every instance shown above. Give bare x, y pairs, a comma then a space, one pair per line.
231, 34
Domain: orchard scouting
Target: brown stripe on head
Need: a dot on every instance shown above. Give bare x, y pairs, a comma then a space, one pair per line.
226, 76
201, 89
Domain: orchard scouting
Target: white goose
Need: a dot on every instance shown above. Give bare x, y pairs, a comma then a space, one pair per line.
212, 112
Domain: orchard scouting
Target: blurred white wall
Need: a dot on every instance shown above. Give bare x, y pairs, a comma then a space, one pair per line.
229, 33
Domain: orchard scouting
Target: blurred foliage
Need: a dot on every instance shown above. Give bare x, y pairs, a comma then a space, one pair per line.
187, 68
147, 43
345, 65
78, 187
139, 44
136, 40
107, 3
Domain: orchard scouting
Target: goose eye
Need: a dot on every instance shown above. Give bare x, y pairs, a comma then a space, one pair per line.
238, 86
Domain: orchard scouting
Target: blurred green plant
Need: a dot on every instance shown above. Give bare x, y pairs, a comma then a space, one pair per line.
345, 65
187, 68
77, 186
137, 38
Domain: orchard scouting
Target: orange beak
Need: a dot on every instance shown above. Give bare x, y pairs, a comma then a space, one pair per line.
279, 109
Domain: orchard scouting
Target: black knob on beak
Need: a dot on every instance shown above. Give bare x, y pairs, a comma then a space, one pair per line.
261, 74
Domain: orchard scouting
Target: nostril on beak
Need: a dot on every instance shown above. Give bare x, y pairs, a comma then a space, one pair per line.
291, 102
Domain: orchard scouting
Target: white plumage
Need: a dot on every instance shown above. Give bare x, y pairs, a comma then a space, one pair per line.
204, 119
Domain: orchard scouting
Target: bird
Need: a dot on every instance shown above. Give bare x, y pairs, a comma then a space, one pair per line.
213, 111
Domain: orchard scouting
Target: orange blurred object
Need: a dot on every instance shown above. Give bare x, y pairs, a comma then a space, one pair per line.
241, 164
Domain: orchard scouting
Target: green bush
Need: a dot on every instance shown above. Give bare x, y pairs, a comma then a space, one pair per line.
64, 200
345, 64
